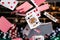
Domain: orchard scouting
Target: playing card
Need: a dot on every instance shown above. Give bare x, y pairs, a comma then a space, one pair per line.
38, 37
26, 31
32, 20
20, 14
24, 7
4, 24
50, 17
9, 4
45, 28
37, 2
36, 11
17, 39
44, 7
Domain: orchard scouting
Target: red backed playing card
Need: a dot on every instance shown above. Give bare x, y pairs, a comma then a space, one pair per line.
4, 24
17, 39
38, 2
24, 7
44, 7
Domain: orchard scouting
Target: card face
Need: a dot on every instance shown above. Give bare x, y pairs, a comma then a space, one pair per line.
4, 24
9, 4
43, 7
37, 2
36, 11
26, 31
32, 20
38, 37
45, 28
24, 7
50, 17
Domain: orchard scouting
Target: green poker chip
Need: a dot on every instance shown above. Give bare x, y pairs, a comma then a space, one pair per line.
5, 39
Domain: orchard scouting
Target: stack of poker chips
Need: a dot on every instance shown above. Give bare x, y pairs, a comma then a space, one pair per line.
55, 35
13, 33
4, 36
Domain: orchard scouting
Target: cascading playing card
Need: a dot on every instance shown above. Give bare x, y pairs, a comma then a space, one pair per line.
44, 28
36, 11
38, 37
50, 17
9, 4
37, 2
5, 25
26, 31
24, 7
32, 20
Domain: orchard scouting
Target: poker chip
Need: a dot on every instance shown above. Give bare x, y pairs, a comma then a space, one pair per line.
21, 28
59, 29
8, 36
55, 35
18, 35
57, 38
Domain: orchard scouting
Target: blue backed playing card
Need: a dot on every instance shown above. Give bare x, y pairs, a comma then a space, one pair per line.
44, 28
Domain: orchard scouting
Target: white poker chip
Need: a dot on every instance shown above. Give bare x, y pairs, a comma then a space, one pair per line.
1, 32
53, 31
59, 29
6, 32
10, 31
21, 28
15, 34
15, 31
18, 35
9, 36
